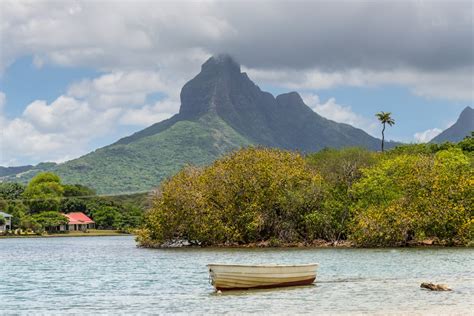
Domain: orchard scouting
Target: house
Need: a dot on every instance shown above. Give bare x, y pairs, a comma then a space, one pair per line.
77, 221
8, 222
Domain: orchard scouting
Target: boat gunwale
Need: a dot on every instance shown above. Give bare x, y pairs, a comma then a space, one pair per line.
263, 265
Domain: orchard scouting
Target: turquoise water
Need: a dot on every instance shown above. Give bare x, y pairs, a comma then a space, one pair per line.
109, 275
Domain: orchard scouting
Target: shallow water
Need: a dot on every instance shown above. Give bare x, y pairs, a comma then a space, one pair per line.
109, 275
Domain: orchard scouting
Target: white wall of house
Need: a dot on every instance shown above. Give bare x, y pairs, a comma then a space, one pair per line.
8, 224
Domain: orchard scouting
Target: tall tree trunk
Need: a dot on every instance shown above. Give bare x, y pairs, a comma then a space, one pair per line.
383, 135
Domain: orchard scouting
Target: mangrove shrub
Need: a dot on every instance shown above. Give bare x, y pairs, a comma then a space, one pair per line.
251, 195
412, 197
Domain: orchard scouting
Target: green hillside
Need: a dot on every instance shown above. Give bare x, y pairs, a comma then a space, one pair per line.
221, 110
143, 164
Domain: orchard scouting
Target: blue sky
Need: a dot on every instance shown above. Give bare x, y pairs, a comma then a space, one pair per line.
70, 83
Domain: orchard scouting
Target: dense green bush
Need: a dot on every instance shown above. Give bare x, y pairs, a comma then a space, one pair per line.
373, 199
43, 193
250, 195
412, 197
339, 170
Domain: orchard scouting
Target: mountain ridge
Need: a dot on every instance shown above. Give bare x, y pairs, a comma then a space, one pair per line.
463, 127
221, 110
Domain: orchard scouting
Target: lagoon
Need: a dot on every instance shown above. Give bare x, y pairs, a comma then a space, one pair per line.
110, 275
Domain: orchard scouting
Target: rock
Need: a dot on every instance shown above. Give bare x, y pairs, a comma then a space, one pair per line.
435, 287
427, 242
178, 243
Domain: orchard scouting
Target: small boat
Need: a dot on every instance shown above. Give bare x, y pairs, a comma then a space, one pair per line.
226, 277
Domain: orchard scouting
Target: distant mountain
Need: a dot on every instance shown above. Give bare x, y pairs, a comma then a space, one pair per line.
7, 171
22, 171
221, 110
462, 128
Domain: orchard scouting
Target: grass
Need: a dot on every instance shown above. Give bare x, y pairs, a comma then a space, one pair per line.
89, 233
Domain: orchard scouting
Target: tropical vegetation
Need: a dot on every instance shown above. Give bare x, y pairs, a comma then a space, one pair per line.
385, 118
40, 205
407, 195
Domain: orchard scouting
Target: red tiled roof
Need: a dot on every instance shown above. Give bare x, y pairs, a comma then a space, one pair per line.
78, 218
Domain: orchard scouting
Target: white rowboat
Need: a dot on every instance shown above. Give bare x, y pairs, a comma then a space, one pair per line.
239, 276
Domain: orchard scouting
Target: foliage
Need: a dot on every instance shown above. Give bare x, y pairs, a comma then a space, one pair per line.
77, 190
69, 205
467, 144
385, 118
3, 220
11, 191
143, 160
132, 217
18, 211
250, 195
44, 192
411, 197
339, 169
373, 199
142, 164
50, 219
106, 217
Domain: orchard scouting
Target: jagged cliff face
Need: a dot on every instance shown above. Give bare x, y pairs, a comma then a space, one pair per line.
285, 121
462, 128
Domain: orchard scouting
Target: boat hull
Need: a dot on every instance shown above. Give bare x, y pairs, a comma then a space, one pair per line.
225, 277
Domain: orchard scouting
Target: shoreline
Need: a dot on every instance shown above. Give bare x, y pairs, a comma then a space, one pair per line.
316, 244
95, 233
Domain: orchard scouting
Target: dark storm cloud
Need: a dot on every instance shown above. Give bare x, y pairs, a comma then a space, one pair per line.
337, 35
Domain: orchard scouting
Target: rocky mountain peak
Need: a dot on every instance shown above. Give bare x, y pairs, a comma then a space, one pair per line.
467, 113
219, 77
290, 99
221, 63
462, 128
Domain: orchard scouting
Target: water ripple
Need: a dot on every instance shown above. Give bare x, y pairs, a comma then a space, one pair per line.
109, 275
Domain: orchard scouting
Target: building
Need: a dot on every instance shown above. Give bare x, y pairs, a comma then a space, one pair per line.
8, 222
77, 221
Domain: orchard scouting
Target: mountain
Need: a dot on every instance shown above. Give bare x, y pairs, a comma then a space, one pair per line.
7, 171
462, 128
23, 171
221, 110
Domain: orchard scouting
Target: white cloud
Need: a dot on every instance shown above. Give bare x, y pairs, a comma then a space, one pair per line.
124, 89
426, 136
448, 85
145, 48
91, 109
431, 52
150, 114
53, 132
3, 100
339, 113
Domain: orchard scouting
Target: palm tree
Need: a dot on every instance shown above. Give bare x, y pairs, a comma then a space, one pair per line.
385, 118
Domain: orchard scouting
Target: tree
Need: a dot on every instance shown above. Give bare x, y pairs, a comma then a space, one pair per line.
385, 118
77, 190
11, 191
44, 193
254, 194
50, 219
107, 217
69, 205
132, 217
18, 211
340, 168
412, 197
3, 221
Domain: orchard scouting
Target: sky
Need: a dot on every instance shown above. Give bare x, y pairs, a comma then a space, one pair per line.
78, 75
